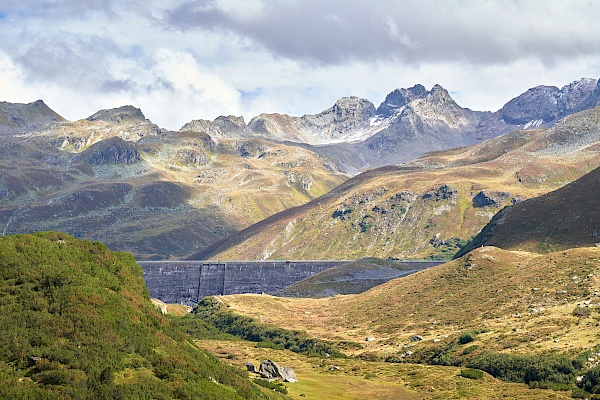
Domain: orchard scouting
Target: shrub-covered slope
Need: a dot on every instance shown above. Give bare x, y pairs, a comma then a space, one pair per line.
76, 322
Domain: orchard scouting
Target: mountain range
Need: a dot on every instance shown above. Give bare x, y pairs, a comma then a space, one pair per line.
117, 177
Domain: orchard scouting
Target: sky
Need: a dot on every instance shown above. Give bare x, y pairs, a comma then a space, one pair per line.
180, 60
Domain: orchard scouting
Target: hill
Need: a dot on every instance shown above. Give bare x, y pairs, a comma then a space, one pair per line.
514, 302
428, 208
76, 322
565, 218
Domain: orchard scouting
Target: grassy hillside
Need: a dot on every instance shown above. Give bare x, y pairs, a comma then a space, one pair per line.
524, 302
428, 208
565, 218
76, 322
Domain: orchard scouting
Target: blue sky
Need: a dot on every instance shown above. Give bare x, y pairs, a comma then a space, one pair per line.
180, 60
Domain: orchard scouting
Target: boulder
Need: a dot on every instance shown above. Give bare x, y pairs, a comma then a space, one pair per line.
251, 367
271, 370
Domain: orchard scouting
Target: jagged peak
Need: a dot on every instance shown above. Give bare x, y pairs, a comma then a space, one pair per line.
400, 98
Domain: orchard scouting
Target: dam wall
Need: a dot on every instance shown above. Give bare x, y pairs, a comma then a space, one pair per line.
187, 282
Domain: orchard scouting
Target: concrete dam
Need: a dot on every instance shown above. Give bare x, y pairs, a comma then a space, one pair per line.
187, 282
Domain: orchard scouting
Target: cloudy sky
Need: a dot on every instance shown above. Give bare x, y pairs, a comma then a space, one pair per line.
180, 60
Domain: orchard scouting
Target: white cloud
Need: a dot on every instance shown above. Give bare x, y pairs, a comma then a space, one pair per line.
183, 60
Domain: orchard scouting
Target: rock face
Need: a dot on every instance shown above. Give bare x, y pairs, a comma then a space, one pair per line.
111, 151
543, 104
271, 370
489, 198
400, 98
18, 118
230, 126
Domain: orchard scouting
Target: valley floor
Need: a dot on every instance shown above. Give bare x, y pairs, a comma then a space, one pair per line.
318, 378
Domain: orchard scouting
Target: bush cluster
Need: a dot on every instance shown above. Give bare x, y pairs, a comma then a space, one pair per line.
555, 369
74, 316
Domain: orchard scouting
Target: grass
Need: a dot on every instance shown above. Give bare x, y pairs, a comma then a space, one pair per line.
524, 301
359, 379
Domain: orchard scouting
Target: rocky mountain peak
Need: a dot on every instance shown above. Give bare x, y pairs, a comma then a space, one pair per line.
570, 97
223, 126
351, 107
544, 104
17, 118
121, 115
438, 95
400, 98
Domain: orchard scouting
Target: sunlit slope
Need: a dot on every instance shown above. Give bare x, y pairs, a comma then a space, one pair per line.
160, 198
427, 208
524, 301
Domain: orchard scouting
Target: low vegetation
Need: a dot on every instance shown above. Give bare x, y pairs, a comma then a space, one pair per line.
76, 322
214, 321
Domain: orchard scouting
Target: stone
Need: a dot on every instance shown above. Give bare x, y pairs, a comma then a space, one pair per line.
416, 338
271, 370
488, 198
288, 375
251, 367
110, 151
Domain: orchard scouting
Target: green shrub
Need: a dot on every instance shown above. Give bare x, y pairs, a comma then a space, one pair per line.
467, 337
471, 373
591, 380
524, 368
276, 386
73, 315
470, 349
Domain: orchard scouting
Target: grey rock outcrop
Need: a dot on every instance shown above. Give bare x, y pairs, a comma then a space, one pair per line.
444, 192
226, 127
490, 198
120, 115
250, 367
271, 370
110, 151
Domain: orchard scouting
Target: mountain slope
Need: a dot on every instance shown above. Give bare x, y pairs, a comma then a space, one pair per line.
76, 322
565, 218
18, 118
427, 208
118, 178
